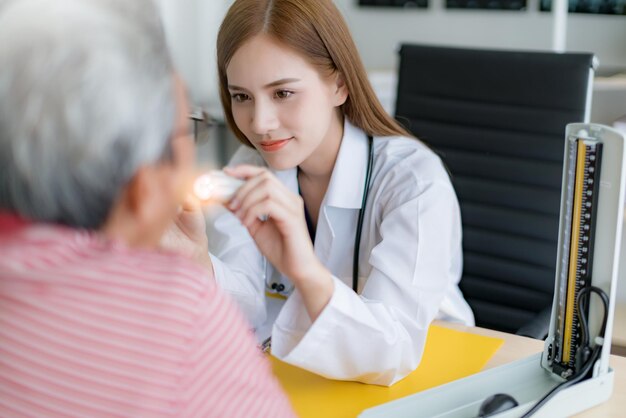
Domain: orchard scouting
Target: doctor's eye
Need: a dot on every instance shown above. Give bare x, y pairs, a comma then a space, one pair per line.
239, 97
283, 94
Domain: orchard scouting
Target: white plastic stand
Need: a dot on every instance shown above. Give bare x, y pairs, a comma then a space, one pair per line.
524, 379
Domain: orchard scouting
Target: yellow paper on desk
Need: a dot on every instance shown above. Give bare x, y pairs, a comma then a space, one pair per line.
449, 355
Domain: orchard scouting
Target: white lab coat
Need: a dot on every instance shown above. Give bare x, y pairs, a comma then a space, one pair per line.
410, 263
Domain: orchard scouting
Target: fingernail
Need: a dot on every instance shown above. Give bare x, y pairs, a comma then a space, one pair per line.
233, 204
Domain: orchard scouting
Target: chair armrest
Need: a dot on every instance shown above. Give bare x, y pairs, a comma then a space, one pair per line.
537, 327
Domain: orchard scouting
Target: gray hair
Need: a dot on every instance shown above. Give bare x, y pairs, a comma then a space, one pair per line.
86, 98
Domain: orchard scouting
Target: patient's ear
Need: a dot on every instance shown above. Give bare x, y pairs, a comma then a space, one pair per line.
144, 209
145, 206
142, 198
134, 192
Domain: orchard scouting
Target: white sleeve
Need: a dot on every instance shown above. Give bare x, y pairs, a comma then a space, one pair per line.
238, 266
379, 337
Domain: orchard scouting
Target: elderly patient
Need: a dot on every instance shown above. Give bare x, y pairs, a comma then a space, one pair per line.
95, 320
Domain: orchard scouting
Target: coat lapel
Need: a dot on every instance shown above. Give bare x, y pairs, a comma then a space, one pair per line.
336, 226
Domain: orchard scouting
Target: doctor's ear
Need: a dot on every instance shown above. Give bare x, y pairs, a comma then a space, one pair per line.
341, 89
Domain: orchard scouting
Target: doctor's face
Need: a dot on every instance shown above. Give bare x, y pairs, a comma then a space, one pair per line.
282, 104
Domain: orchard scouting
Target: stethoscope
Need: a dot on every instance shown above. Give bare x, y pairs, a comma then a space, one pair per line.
276, 287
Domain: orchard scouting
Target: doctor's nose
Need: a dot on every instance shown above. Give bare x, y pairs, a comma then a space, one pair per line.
264, 119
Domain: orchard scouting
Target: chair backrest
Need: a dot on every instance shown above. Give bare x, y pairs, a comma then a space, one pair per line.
497, 119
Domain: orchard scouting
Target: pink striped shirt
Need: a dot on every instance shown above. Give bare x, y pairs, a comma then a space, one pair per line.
91, 328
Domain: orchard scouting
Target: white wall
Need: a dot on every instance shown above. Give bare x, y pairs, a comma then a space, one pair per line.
191, 28
378, 32
192, 25
621, 278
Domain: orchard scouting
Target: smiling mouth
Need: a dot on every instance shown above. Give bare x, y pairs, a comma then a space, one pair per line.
275, 145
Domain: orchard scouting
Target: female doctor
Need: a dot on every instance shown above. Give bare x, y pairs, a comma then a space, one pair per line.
327, 171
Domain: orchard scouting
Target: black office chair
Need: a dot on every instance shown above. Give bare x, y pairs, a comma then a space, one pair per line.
497, 119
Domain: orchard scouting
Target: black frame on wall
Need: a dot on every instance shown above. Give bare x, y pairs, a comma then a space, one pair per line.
395, 3
606, 7
515, 5
602, 7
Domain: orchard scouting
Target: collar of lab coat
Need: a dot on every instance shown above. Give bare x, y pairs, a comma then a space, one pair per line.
345, 189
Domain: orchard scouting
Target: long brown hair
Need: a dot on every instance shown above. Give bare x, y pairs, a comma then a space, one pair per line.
315, 29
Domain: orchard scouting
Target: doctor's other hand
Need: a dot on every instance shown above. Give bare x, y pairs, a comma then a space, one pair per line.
187, 234
274, 217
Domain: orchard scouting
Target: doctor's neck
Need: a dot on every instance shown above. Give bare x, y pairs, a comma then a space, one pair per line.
318, 167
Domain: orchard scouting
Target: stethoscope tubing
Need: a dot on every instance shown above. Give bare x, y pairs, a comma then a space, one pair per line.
359, 227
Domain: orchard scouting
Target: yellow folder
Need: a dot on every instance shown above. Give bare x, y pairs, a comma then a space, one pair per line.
448, 355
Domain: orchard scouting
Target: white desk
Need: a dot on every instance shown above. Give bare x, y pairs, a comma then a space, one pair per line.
516, 347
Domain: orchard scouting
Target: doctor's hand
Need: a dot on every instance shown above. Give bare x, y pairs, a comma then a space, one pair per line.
274, 217
187, 234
